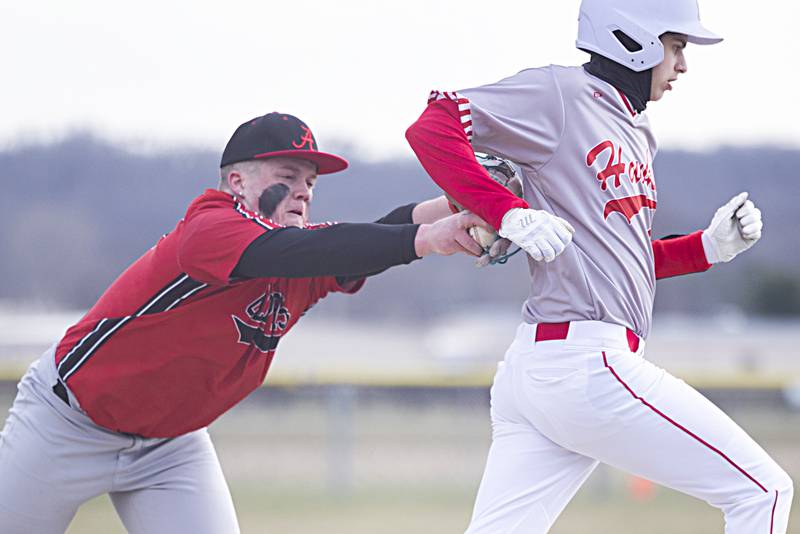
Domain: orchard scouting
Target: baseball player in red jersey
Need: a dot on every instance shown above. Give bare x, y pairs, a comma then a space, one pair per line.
574, 388
120, 404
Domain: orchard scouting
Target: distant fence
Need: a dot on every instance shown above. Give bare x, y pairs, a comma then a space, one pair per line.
732, 361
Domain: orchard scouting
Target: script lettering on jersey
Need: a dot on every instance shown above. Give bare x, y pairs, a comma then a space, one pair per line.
274, 309
271, 317
615, 168
636, 171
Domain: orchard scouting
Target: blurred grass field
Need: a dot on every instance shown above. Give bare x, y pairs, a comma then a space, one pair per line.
347, 464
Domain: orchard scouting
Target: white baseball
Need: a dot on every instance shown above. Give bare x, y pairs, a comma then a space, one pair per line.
482, 237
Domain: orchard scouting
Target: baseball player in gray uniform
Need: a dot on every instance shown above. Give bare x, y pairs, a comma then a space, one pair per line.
574, 388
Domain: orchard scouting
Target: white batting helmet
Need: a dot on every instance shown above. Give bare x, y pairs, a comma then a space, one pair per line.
641, 20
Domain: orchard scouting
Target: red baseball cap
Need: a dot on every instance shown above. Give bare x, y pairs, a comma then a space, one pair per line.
278, 134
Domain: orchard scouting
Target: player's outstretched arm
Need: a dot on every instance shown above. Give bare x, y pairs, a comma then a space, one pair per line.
354, 249
425, 212
430, 211
735, 227
449, 235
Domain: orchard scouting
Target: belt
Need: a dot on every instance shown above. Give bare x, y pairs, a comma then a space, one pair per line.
61, 392
556, 331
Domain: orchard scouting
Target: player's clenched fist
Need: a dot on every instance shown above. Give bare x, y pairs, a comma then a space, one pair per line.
450, 235
539, 233
736, 227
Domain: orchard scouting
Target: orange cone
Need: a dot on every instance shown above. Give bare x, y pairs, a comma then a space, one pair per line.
641, 489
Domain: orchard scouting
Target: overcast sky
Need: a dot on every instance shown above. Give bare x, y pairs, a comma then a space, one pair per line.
176, 73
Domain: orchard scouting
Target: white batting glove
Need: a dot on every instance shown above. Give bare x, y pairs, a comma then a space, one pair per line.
539, 233
736, 227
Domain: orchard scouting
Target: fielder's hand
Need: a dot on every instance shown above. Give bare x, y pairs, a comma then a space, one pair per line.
539, 233
736, 227
450, 235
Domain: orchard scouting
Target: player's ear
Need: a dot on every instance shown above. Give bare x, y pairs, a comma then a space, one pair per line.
235, 181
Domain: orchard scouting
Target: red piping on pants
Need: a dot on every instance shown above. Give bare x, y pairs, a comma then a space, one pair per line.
695, 436
772, 519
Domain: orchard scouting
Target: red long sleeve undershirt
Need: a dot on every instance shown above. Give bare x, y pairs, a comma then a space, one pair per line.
680, 255
442, 147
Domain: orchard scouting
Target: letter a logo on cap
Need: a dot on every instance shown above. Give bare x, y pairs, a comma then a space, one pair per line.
278, 135
306, 139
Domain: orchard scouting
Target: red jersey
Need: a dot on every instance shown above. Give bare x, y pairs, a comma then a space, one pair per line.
175, 342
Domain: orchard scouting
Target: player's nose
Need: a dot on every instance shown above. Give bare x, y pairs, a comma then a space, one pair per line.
303, 192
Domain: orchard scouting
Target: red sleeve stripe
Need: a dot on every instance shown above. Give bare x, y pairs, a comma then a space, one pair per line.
464, 109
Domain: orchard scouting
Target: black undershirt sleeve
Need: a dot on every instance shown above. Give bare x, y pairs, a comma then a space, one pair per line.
401, 215
349, 251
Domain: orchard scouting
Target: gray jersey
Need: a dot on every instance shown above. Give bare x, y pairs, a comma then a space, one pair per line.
586, 156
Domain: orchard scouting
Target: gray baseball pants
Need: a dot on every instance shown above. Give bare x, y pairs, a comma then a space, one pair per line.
53, 458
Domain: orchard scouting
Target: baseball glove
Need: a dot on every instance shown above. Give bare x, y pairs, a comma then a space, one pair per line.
503, 172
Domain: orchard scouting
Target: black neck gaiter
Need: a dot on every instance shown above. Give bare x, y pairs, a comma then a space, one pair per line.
634, 85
